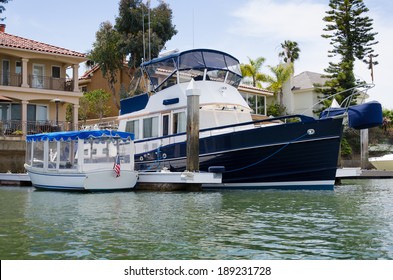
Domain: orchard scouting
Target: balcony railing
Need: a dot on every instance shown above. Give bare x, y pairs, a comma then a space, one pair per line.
8, 79
35, 81
14, 127
45, 82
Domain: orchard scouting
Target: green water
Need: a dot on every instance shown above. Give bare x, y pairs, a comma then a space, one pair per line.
355, 221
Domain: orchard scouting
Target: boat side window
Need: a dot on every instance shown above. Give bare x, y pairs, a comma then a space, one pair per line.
179, 122
100, 151
165, 125
162, 73
217, 75
233, 79
67, 154
133, 127
52, 156
38, 154
150, 127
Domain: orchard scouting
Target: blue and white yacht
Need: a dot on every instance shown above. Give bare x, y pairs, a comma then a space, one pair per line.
294, 151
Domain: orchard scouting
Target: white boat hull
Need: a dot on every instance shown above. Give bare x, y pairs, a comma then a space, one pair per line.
384, 163
91, 181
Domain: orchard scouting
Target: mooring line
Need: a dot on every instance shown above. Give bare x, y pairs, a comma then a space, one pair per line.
262, 160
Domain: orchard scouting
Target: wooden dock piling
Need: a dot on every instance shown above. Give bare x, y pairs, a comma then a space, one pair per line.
192, 164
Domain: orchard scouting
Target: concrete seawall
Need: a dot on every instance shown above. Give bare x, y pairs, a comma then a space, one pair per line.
12, 156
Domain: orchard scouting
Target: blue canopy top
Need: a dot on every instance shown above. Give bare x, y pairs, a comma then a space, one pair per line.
198, 58
83, 134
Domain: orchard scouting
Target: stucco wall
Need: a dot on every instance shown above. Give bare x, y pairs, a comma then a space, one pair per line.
12, 156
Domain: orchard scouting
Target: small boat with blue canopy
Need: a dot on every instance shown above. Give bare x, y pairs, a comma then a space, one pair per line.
92, 160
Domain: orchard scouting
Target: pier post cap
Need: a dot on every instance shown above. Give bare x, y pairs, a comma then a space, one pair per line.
192, 89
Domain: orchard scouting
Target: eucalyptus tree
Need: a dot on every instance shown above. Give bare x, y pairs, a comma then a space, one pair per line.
138, 27
252, 70
2, 8
290, 51
144, 30
106, 54
351, 37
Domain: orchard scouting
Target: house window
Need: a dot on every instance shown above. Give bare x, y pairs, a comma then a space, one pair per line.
256, 102
55, 72
37, 112
38, 76
4, 111
5, 77
133, 127
16, 112
18, 67
150, 127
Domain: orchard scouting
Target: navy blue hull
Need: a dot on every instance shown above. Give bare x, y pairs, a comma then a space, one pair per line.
289, 155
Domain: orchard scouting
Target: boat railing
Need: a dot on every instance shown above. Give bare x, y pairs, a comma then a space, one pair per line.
357, 94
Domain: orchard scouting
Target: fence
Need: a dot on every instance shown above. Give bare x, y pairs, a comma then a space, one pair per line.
14, 127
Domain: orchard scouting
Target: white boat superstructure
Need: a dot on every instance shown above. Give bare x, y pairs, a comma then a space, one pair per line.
163, 114
81, 160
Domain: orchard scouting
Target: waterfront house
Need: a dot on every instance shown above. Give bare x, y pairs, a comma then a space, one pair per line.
93, 79
300, 93
34, 86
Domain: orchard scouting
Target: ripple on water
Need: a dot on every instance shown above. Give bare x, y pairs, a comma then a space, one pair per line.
352, 222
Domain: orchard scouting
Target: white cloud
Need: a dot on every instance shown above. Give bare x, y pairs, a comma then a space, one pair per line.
280, 19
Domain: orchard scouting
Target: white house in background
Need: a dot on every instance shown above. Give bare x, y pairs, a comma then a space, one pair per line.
300, 94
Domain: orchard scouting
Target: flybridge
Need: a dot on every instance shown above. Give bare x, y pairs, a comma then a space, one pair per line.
179, 68
198, 64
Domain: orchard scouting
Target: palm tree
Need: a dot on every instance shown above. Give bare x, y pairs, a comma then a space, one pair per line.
281, 74
252, 70
290, 51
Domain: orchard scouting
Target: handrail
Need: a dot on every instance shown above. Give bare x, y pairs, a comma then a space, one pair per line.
348, 100
302, 117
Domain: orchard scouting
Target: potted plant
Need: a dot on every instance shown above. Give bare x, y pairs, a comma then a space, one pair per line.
17, 133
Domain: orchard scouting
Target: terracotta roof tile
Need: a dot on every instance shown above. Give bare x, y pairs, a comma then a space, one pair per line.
86, 75
245, 86
12, 41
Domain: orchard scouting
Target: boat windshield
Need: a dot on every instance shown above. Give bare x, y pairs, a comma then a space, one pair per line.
201, 64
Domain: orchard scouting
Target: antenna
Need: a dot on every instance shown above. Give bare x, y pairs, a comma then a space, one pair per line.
148, 7
143, 34
193, 35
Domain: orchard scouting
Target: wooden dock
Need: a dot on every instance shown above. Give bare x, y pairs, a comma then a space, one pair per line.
357, 173
159, 181
14, 179
22, 179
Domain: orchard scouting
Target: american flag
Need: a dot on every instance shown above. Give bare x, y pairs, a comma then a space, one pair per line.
116, 166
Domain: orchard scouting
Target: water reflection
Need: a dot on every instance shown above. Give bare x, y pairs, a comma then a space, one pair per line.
352, 222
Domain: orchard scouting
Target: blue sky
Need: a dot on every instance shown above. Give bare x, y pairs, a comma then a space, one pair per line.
248, 28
